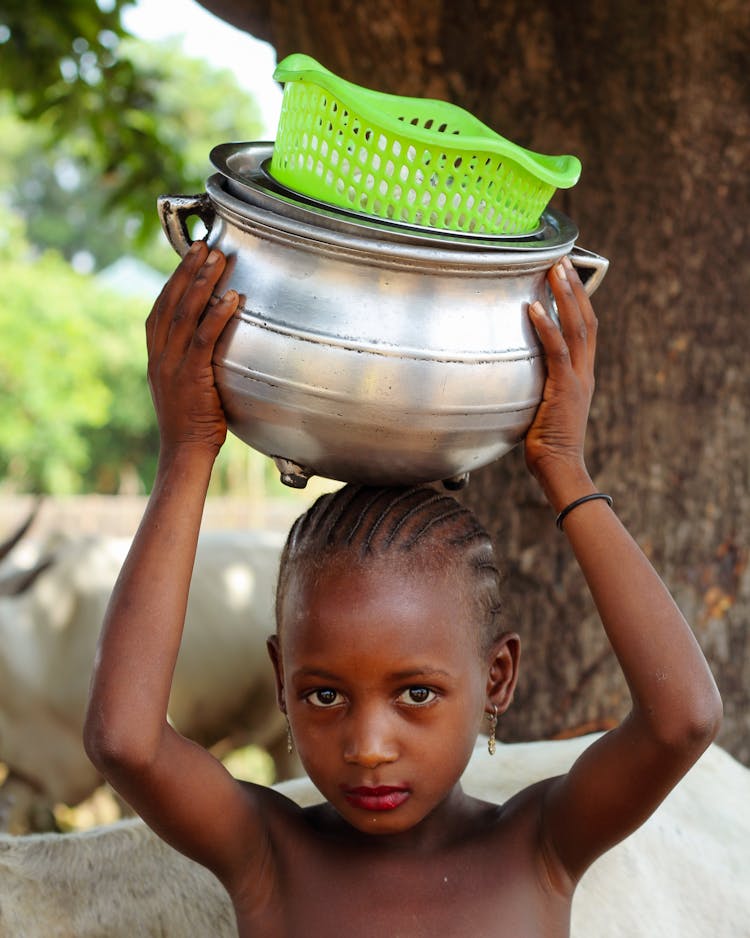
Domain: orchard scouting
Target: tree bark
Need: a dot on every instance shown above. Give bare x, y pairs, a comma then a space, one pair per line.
655, 100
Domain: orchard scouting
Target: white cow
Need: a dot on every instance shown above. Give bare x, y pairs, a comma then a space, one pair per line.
223, 683
115, 882
684, 874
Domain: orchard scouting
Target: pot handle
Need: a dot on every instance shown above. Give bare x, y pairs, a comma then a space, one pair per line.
174, 211
591, 267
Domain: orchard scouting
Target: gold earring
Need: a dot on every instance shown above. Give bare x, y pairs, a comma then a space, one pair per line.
492, 717
289, 739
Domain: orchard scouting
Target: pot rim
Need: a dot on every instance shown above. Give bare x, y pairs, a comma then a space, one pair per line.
515, 257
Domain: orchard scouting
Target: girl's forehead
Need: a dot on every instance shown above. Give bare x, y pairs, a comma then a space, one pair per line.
403, 604
379, 579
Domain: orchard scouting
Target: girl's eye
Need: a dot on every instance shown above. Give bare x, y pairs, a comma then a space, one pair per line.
417, 696
324, 697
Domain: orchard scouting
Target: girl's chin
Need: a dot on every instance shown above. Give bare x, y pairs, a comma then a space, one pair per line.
395, 821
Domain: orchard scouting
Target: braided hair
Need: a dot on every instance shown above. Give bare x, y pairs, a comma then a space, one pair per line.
419, 523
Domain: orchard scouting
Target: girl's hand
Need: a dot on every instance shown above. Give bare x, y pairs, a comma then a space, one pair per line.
554, 442
181, 333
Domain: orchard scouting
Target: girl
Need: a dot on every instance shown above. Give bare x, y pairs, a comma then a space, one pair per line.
389, 657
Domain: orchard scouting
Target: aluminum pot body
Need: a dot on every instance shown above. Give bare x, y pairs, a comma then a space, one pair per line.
371, 361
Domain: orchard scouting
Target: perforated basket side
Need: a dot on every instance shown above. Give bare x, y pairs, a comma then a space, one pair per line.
325, 150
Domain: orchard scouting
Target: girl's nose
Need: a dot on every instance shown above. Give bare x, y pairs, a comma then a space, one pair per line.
370, 741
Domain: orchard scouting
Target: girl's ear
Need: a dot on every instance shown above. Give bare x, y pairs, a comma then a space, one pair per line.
503, 673
274, 653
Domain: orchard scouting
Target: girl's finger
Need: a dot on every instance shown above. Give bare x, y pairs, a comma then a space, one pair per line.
194, 301
587, 310
553, 342
218, 313
160, 317
572, 323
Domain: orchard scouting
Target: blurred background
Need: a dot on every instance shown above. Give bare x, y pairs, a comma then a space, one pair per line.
105, 107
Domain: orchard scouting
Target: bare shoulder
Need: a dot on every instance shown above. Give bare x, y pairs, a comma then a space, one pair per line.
275, 818
274, 806
525, 806
289, 816
517, 834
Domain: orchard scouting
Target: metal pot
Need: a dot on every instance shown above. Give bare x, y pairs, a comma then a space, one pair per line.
368, 351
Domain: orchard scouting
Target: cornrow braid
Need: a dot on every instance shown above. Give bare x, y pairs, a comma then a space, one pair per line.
362, 521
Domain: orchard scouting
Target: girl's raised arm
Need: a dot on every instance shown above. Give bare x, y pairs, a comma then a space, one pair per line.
176, 786
676, 710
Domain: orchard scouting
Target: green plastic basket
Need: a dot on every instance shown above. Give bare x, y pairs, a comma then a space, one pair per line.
407, 160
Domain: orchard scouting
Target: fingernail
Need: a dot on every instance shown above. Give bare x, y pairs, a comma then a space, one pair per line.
214, 300
560, 271
568, 262
573, 274
195, 247
230, 296
212, 257
536, 307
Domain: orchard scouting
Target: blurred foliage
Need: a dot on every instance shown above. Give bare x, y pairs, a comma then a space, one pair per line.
75, 404
65, 205
64, 66
94, 125
132, 120
77, 415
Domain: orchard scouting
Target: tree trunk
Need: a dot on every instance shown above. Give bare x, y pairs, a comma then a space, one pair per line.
655, 99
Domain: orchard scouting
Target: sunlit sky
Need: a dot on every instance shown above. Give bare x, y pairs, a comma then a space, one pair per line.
207, 37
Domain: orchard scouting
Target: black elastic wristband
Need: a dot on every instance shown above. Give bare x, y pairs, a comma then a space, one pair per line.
579, 501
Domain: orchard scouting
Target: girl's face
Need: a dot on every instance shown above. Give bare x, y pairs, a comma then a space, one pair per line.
384, 688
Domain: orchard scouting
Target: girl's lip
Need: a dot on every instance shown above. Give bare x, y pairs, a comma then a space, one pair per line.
377, 798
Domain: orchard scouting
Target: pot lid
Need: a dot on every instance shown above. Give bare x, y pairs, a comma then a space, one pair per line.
243, 167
